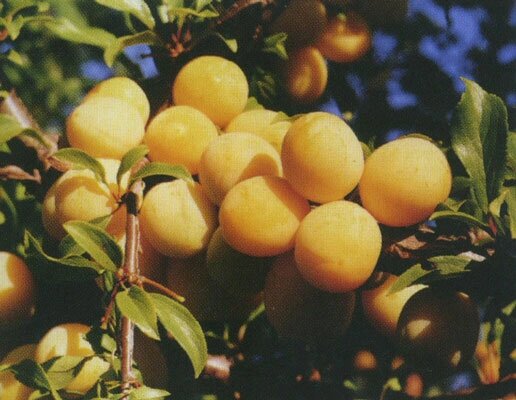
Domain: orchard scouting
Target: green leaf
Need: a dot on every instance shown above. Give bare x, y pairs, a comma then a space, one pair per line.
138, 306
479, 135
62, 370
137, 8
9, 128
97, 243
117, 46
156, 168
275, 44
67, 30
78, 159
411, 276
450, 265
130, 159
145, 392
511, 156
66, 269
511, 210
181, 324
33, 375
460, 216
232, 44
68, 246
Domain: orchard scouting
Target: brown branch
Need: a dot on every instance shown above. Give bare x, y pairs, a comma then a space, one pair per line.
159, 286
16, 173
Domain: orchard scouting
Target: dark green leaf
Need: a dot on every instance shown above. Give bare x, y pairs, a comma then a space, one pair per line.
479, 135
62, 370
156, 168
78, 159
138, 306
130, 159
137, 8
67, 30
411, 276
181, 324
511, 210
460, 216
97, 243
117, 46
511, 156
145, 392
275, 44
33, 375
450, 265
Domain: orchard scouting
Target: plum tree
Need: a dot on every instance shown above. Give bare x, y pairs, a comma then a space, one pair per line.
322, 158
17, 291
345, 39
10, 387
78, 195
382, 308
236, 272
178, 219
404, 180
214, 85
123, 88
105, 127
300, 311
337, 246
179, 135
262, 122
260, 216
438, 329
296, 17
305, 75
232, 158
68, 340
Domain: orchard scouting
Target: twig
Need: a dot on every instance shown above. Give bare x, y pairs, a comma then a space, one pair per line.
16, 173
159, 286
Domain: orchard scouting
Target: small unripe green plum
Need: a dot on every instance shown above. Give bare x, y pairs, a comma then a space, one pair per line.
337, 246
404, 180
322, 158
236, 272
178, 219
300, 311
17, 291
10, 387
438, 330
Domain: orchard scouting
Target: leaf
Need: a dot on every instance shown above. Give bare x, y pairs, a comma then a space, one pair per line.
275, 44
145, 392
130, 159
232, 44
511, 211
68, 246
137, 8
156, 168
411, 276
78, 159
33, 375
138, 306
66, 269
511, 156
460, 216
62, 370
83, 34
117, 46
478, 136
252, 104
181, 324
450, 265
97, 243
9, 128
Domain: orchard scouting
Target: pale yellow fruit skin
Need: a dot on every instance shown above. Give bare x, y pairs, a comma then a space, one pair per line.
305, 75
345, 39
17, 290
382, 309
337, 246
78, 195
300, 311
179, 135
214, 85
235, 157
68, 340
322, 158
404, 180
123, 88
439, 329
105, 127
260, 216
150, 360
302, 20
178, 219
261, 122
10, 387
206, 300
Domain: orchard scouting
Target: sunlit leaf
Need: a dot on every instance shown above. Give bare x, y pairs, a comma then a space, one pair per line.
156, 168
137, 8
138, 306
78, 159
130, 159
